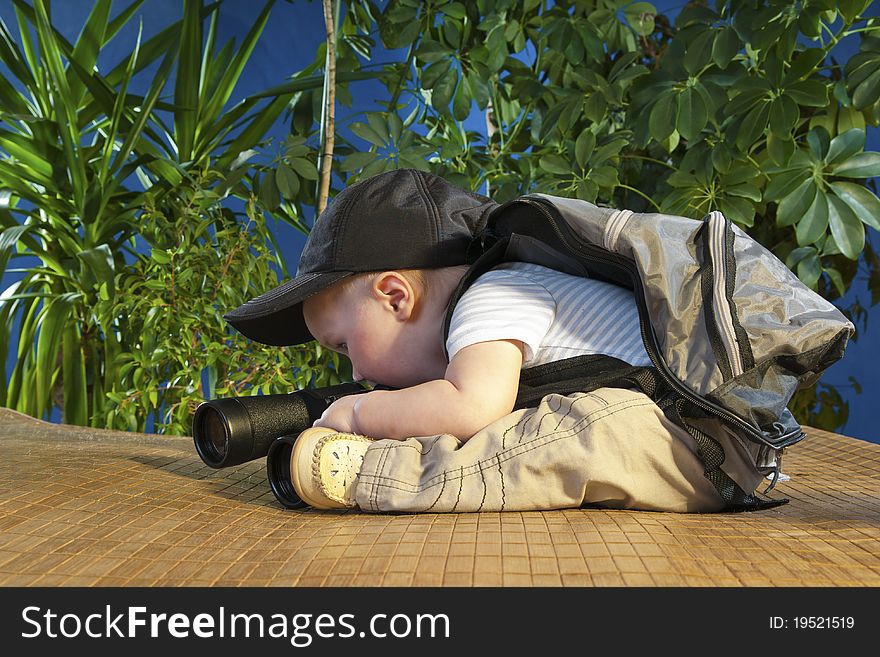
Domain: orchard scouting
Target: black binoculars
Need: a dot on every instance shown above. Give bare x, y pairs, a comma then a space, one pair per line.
233, 430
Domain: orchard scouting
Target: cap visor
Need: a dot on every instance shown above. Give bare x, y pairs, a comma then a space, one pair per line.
275, 318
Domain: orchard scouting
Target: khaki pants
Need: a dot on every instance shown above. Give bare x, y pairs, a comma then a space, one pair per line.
611, 447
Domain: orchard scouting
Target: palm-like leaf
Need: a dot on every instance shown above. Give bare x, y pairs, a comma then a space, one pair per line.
70, 141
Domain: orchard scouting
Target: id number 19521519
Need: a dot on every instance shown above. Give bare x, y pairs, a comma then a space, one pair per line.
813, 623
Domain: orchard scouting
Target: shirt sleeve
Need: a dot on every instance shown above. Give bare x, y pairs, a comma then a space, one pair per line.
502, 305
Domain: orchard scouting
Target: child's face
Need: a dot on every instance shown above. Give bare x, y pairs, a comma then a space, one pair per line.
372, 327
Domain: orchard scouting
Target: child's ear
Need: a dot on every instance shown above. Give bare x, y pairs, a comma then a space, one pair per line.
395, 293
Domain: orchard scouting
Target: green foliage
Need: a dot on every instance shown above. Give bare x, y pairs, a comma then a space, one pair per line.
87, 169
741, 106
166, 313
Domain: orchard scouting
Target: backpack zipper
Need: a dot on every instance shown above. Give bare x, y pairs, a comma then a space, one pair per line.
598, 254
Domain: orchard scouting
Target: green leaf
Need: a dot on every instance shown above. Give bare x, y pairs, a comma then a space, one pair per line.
357, 161
836, 280
779, 148
753, 126
783, 114
461, 102
809, 93
304, 168
605, 176
738, 210
862, 165
797, 255
395, 127
725, 47
35, 159
432, 51
849, 118
188, 80
368, 133
804, 64
847, 230
664, 116
583, 148
160, 256
845, 145
814, 223
54, 318
587, 190
212, 106
721, 158
785, 183
100, 263
699, 52
809, 269
379, 123
89, 43
819, 142
748, 92
555, 164
73, 373
268, 192
287, 182
436, 72
594, 107
8, 240
692, 113
63, 104
443, 91
794, 206
640, 17
861, 201
868, 92
479, 89
745, 190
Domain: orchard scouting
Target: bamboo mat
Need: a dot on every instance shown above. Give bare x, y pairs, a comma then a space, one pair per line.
88, 507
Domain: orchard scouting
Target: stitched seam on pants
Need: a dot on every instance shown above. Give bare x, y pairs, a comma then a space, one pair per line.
375, 481
433, 443
485, 489
585, 422
558, 424
524, 418
611, 408
501, 474
374, 495
460, 488
439, 495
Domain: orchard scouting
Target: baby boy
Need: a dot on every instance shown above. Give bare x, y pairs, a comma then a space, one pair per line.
374, 283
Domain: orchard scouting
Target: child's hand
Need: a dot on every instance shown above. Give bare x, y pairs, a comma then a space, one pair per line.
340, 415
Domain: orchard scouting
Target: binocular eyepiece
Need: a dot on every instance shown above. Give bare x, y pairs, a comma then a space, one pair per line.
233, 430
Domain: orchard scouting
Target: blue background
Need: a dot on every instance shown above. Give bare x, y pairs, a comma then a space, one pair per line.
288, 44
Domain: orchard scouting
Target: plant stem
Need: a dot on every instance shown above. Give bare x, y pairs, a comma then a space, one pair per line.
648, 159
329, 118
642, 194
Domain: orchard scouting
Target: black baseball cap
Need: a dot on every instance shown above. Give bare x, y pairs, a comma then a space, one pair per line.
402, 219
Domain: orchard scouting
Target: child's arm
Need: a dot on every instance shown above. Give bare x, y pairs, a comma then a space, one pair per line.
480, 386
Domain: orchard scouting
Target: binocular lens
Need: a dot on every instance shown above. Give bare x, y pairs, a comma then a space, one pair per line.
278, 472
212, 435
216, 434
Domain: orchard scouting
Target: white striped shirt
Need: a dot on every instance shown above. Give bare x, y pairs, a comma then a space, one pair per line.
555, 315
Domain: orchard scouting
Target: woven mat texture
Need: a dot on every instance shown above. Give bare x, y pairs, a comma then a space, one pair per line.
88, 507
